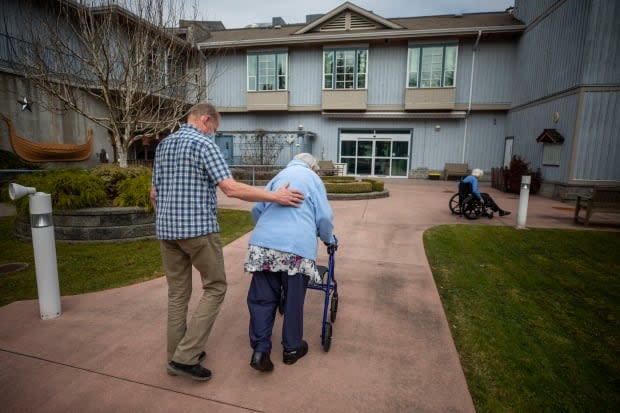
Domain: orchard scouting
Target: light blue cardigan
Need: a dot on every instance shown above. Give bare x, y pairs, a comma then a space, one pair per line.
290, 229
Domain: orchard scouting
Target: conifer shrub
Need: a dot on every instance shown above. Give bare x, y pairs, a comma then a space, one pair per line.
69, 189
113, 176
135, 192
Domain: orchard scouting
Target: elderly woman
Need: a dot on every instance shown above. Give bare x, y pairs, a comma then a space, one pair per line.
486, 198
281, 256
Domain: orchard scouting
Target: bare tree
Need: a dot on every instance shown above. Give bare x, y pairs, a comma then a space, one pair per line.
261, 148
124, 54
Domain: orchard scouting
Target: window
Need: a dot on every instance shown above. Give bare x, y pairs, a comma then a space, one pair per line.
431, 66
345, 68
551, 154
267, 71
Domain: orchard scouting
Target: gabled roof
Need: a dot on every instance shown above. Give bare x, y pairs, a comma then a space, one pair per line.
348, 16
332, 28
550, 136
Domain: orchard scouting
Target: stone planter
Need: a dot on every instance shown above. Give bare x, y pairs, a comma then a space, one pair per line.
96, 225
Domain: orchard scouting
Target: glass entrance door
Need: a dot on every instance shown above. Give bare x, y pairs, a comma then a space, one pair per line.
375, 157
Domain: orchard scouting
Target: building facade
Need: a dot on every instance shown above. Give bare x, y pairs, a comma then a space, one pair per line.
401, 96
395, 97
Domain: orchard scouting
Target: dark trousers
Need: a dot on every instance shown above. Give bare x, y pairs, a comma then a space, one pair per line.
489, 202
263, 300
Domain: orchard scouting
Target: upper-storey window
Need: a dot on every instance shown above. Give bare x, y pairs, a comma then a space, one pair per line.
431, 66
345, 68
267, 71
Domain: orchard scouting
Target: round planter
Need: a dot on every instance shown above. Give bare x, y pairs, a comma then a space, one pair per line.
96, 224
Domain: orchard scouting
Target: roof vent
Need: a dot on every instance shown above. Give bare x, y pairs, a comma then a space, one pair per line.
458, 15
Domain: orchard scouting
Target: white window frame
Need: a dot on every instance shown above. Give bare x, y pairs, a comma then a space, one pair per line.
253, 77
413, 48
356, 73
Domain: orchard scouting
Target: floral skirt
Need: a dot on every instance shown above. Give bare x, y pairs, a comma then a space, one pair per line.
267, 259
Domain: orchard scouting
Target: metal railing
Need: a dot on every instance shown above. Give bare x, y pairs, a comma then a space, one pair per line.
255, 174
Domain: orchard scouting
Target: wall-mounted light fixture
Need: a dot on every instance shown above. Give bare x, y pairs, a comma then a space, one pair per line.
437, 128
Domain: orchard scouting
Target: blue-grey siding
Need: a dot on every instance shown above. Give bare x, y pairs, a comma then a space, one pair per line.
598, 148
493, 72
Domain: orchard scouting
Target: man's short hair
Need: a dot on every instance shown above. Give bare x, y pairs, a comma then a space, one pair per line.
205, 108
477, 172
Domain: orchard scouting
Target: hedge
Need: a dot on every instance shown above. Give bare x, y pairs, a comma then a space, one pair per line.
377, 186
338, 178
353, 187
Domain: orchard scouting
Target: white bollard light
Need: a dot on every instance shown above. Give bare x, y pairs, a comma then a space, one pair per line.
523, 200
44, 244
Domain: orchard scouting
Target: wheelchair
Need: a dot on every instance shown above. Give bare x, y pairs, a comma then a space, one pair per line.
467, 204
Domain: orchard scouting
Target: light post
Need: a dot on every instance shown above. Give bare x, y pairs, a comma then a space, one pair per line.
42, 226
523, 200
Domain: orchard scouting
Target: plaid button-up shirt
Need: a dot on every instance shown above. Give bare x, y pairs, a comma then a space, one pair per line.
188, 166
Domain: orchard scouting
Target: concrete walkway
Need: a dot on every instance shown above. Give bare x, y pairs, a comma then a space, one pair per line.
391, 348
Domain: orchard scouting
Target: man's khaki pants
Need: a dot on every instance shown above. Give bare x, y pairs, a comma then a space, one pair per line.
187, 340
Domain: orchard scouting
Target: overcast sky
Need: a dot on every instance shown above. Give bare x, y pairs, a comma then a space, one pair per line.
240, 13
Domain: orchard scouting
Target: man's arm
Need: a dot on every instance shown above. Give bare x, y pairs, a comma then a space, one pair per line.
153, 197
282, 196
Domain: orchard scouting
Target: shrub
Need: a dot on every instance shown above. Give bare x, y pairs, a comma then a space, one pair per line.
377, 186
354, 187
512, 175
113, 175
338, 178
69, 189
8, 160
135, 192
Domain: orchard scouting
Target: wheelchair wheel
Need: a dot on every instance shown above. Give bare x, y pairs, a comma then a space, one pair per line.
333, 307
472, 208
454, 205
326, 340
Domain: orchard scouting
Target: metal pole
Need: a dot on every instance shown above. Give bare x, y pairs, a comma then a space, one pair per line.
523, 200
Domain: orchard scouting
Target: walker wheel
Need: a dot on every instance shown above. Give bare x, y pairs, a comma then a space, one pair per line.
333, 309
326, 340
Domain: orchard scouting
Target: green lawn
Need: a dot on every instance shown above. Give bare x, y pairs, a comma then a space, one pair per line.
534, 314
96, 266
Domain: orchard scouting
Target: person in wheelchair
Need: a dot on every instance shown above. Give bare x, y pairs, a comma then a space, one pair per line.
484, 197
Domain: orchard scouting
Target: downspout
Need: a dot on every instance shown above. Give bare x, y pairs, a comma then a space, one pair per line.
471, 90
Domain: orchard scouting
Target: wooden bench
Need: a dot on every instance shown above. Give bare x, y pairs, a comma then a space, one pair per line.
455, 169
602, 199
327, 168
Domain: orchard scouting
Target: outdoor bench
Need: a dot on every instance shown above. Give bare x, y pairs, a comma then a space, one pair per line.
455, 169
602, 199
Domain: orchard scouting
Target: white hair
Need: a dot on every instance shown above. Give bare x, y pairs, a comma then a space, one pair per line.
309, 160
477, 172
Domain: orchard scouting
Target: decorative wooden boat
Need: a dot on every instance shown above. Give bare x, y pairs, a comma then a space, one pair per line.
49, 152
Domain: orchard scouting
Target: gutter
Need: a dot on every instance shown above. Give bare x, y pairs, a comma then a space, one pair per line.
394, 115
392, 34
471, 90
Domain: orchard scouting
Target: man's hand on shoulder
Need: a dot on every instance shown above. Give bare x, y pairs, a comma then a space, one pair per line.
289, 197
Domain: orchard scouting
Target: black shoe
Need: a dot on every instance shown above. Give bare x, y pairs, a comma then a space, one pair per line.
504, 213
261, 361
292, 356
201, 357
196, 371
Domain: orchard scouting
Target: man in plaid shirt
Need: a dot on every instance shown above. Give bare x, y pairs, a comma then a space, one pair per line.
188, 167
